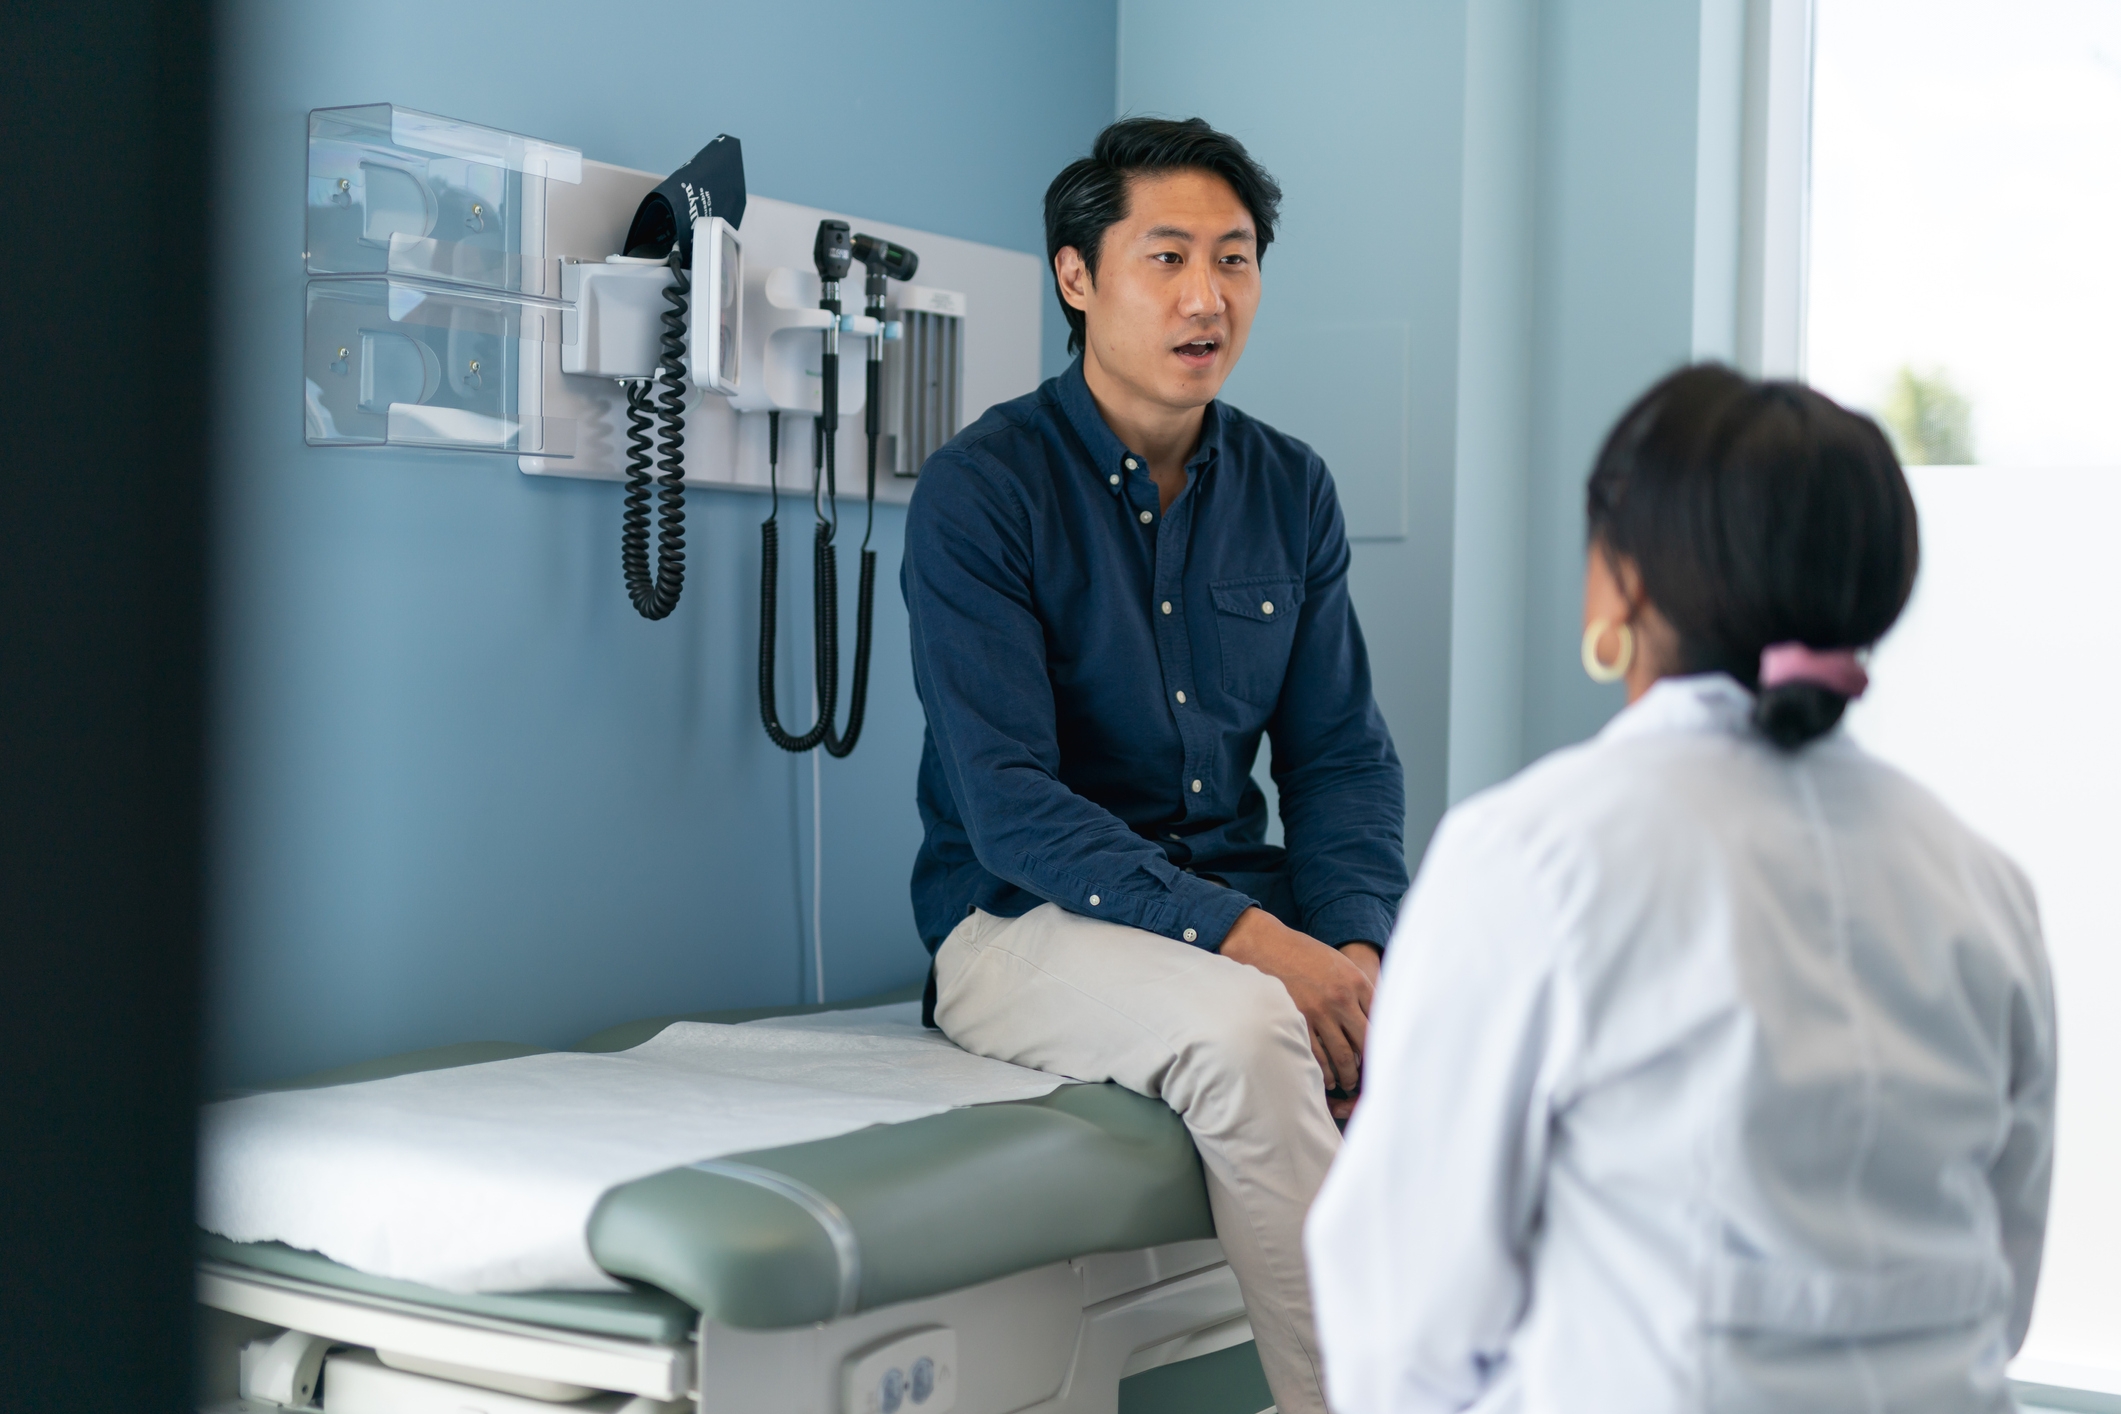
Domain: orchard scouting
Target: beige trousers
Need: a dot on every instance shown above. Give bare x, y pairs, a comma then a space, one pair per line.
1219, 1042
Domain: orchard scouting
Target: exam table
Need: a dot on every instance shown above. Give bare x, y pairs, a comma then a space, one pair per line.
1051, 1255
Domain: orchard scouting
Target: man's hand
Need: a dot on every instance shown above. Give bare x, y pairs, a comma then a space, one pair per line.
1372, 962
1329, 986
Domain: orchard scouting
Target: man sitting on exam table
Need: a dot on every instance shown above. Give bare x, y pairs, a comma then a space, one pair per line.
1714, 1064
1115, 584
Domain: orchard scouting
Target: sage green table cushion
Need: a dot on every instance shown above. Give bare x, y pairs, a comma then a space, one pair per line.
935, 1203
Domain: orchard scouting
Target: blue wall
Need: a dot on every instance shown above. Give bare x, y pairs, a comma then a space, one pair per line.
463, 790
1496, 330
1617, 241
1600, 254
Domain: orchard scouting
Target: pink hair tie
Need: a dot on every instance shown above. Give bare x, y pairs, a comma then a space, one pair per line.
1835, 669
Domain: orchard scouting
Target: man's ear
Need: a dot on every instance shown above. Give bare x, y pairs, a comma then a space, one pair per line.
1073, 276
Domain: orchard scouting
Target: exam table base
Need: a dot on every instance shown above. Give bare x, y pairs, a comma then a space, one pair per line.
1053, 1340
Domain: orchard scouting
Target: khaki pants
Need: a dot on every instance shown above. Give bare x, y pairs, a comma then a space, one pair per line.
1219, 1042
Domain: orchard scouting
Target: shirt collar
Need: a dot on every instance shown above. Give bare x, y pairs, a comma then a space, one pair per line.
1109, 455
1700, 702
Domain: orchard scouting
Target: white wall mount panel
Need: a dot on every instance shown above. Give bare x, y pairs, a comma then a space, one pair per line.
1003, 289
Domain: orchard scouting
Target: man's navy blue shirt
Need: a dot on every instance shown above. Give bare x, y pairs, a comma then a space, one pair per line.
1097, 674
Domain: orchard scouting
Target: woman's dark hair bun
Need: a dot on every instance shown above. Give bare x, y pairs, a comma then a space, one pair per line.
1794, 713
1758, 513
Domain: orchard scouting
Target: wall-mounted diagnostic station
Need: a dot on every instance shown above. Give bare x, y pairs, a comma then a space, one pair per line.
476, 290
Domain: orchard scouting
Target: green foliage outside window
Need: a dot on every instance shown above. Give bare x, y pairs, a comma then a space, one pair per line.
1930, 422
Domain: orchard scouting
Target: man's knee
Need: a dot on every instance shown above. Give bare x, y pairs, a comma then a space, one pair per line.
1251, 1029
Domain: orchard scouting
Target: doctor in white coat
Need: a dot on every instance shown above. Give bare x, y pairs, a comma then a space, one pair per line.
1713, 1066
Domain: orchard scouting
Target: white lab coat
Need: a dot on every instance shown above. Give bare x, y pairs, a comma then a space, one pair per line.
1701, 1077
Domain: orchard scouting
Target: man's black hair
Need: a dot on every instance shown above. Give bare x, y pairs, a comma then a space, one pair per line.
1089, 197
1758, 513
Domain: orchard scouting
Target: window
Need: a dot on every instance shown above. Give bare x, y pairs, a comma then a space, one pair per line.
1966, 225
1965, 287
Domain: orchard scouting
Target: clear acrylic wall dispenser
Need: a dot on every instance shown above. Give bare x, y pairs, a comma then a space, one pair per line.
432, 290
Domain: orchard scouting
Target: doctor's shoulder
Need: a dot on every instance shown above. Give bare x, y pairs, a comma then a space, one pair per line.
1596, 810
1922, 820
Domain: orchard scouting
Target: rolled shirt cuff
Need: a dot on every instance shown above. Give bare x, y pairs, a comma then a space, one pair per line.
1354, 918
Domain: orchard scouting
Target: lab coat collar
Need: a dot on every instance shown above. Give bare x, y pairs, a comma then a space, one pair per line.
1700, 702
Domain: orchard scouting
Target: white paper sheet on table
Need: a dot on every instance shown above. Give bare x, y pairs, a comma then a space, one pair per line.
483, 1177
882, 1052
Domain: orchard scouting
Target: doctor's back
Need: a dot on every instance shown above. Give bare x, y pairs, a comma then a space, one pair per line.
1713, 1064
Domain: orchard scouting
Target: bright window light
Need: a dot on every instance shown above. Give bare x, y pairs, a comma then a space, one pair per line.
1966, 225
1965, 287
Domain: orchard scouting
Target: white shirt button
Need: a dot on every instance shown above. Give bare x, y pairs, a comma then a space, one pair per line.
1147, 517
1114, 478
1167, 606
1190, 936
1182, 697
1095, 900
1196, 787
1132, 465
1267, 608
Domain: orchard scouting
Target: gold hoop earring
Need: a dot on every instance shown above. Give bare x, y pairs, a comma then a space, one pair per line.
1598, 670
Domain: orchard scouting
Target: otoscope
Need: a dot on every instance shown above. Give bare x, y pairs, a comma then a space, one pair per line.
883, 261
832, 256
833, 253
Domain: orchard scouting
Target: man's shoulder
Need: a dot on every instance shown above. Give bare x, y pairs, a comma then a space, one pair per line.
1253, 442
1004, 439
997, 471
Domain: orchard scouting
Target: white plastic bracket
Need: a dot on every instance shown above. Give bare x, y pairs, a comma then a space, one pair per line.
281, 1369
613, 324
787, 322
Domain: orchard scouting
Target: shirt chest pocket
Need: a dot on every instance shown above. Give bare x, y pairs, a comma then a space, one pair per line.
1255, 623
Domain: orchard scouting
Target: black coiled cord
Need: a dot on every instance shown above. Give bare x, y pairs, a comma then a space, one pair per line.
823, 586
864, 613
865, 595
656, 596
825, 592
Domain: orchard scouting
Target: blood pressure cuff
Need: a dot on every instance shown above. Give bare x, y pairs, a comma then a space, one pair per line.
711, 184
